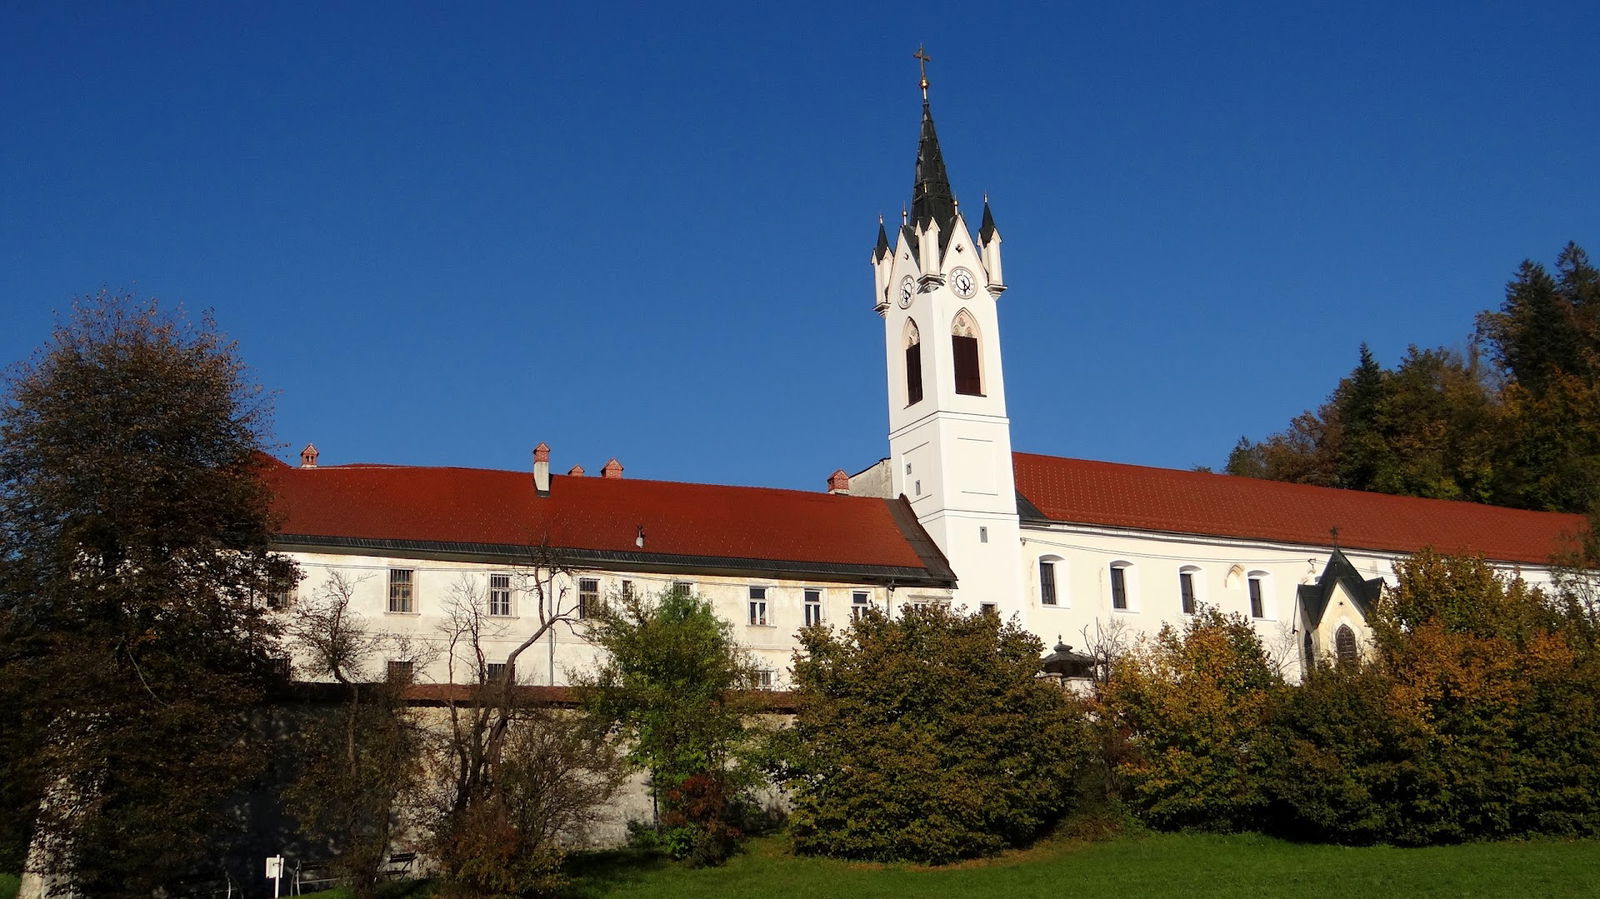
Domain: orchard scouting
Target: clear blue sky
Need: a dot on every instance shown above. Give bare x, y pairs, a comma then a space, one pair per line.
445, 232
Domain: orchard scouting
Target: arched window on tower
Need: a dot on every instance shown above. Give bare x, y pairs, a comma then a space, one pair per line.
964, 341
913, 342
1344, 644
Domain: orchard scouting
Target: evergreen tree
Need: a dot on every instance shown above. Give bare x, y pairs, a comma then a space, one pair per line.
135, 551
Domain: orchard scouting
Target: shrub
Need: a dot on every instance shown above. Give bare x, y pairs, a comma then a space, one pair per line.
1187, 707
927, 737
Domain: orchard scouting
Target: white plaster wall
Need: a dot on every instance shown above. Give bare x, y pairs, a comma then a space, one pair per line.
1221, 570
563, 652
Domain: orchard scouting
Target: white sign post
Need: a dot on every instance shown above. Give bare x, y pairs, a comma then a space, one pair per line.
275, 871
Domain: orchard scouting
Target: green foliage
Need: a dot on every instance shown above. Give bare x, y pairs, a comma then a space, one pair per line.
1526, 434
1189, 705
671, 682
134, 542
1339, 758
926, 737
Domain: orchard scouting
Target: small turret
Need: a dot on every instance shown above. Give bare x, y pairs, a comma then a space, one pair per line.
989, 239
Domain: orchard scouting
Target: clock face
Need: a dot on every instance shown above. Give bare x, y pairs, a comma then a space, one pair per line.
907, 290
961, 280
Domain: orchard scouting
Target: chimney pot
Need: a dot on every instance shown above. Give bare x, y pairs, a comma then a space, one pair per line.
612, 470
575, 471
308, 456
839, 482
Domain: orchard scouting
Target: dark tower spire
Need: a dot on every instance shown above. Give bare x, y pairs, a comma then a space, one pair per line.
882, 248
931, 197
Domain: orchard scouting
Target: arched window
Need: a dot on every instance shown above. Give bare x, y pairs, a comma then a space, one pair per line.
913, 343
1188, 598
1259, 587
1122, 586
964, 342
1051, 587
1344, 644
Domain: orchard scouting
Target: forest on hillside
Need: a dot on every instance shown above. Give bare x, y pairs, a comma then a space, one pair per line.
1513, 420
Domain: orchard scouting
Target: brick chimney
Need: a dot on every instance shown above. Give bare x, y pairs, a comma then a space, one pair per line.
575, 471
541, 469
613, 470
839, 483
308, 456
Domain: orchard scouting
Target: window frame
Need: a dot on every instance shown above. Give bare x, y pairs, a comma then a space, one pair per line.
1188, 593
1048, 595
758, 607
400, 671
1123, 587
500, 605
588, 596
813, 606
402, 591
1258, 595
860, 602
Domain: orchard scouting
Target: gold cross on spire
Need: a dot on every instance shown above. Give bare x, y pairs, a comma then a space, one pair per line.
922, 58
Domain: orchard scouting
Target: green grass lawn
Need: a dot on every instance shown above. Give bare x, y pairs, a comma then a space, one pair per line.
1186, 866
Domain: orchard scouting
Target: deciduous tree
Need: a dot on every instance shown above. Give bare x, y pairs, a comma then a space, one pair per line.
135, 554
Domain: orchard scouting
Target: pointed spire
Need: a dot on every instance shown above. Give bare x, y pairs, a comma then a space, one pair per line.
987, 230
882, 249
931, 197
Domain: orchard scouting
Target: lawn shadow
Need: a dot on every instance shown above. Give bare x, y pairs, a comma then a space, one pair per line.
601, 871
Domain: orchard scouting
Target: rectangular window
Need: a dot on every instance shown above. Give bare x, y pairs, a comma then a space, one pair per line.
860, 601
400, 672
1186, 590
968, 381
682, 588
1047, 582
1119, 588
588, 596
280, 592
758, 606
983, 535
500, 595
1256, 609
989, 608
627, 589
401, 597
496, 672
813, 607
761, 680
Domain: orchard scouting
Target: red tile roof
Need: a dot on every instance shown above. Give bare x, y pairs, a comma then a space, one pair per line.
478, 506
1188, 502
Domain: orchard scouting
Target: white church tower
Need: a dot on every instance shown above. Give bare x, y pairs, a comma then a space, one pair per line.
949, 437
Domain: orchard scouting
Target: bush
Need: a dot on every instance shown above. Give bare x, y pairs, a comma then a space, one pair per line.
927, 737
1186, 709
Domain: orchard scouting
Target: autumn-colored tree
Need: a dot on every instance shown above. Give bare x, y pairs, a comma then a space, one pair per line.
134, 555
1190, 703
927, 737
1476, 718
